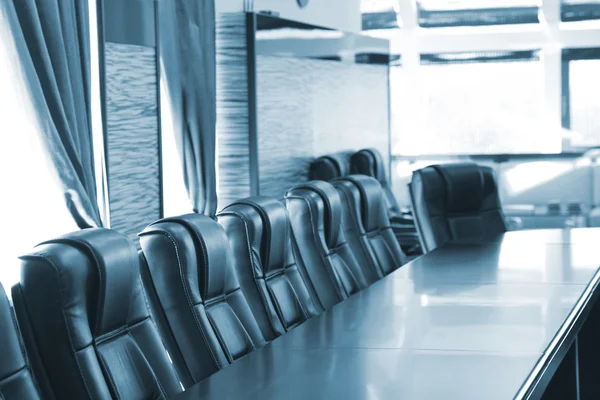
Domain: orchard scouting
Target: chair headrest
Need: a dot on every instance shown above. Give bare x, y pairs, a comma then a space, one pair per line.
464, 186
207, 245
332, 210
115, 260
369, 162
268, 228
330, 166
372, 207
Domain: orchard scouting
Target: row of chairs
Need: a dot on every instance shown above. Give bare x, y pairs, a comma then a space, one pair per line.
95, 318
370, 162
450, 202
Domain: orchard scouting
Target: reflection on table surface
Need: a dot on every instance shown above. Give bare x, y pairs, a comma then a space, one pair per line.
468, 321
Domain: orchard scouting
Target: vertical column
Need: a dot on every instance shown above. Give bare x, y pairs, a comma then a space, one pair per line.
404, 88
553, 102
407, 9
553, 71
566, 94
407, 44
132, 140
550, 12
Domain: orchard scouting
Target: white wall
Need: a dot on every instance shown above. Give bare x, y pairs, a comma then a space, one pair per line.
339, 14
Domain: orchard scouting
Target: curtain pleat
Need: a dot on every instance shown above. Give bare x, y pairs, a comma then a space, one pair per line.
188, 65
53, 39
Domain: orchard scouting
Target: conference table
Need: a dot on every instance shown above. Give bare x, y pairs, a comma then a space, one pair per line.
511, 317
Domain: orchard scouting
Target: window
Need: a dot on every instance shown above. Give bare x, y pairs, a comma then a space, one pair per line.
472, 103
32, 205
470, 84
446, 13
483, 87
579, 10
583, 88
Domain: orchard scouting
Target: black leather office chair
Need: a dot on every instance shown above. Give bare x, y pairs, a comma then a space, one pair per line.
315, 210
369, 162
191, 267
367, 226
330, 166
270, 275
454, 202
16, 378
81, 301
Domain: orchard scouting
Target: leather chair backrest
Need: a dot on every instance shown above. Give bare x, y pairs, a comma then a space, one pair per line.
82, 299
259, 231
367, 226
330, 166
369, 162
191, 267
16, 378
453, 202
315, 210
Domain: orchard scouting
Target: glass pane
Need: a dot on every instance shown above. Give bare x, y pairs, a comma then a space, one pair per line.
584, 86
471, 104
379, 14
579, 10
444, 13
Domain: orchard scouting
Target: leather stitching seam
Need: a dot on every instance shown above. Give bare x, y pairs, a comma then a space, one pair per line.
185, 290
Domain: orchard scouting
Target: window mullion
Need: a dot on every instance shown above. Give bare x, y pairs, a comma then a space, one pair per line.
553, 71
550, 12
552, 65
408, 45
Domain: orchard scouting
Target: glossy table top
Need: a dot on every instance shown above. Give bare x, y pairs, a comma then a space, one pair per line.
468, 321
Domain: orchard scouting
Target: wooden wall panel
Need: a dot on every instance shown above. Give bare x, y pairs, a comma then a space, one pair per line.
132, 137
233, 143
304, 108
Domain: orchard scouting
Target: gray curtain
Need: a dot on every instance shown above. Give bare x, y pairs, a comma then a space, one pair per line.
188, 63
53, 42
